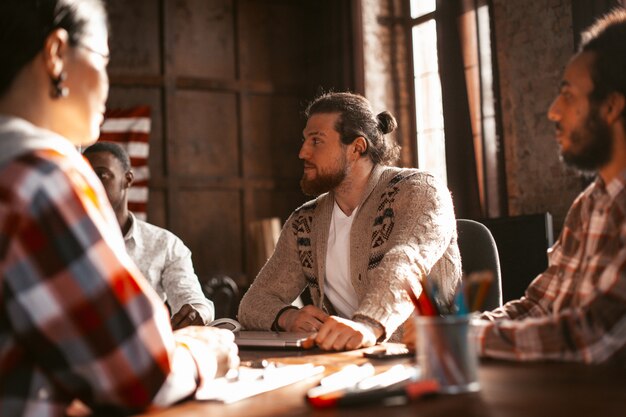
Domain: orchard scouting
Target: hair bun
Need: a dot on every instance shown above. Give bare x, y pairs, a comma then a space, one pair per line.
386, 122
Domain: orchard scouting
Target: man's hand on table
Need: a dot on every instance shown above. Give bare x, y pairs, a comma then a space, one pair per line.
188, 315
333, 333
342, 334
307, 319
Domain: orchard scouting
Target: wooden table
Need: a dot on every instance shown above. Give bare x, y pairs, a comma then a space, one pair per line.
508, 389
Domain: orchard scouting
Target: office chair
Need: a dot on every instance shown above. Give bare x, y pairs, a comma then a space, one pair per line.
224, 293
522, 243
478, 253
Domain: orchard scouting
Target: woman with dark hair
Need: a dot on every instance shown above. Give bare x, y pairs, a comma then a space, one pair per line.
77, 319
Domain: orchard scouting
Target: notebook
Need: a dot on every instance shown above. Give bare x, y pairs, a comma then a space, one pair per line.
269, 339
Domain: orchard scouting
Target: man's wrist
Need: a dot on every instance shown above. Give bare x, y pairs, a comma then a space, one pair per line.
279, 325
373, 326
184, 378
205, 312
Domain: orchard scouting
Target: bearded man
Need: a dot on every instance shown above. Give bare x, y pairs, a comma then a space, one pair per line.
372, 230
576, 309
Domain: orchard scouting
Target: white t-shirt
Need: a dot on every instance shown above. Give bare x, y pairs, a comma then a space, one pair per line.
338, 287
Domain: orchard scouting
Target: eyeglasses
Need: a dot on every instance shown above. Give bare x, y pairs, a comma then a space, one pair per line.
106, 57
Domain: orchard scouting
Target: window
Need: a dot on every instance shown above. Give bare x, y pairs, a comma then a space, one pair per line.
431, 147
475, 37
455, 94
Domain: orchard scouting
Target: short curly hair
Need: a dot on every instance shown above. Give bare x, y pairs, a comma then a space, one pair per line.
114, 149
606, 39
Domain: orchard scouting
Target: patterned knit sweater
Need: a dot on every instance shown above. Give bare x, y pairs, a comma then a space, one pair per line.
404, 230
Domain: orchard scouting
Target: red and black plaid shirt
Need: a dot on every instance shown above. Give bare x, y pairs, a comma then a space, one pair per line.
77, 319
576, 309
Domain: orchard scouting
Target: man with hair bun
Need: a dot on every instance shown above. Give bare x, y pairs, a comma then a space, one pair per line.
371, 230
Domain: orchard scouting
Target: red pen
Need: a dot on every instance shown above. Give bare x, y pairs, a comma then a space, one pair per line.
427, 308
423, 305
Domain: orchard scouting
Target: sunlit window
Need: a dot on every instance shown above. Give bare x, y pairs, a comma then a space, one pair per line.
421, 7
431, 149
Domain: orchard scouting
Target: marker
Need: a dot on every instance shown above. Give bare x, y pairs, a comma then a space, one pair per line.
410, 391
341, 380
392, 376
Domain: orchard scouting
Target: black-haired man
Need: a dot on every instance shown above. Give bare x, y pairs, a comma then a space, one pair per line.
576, 309
160, 255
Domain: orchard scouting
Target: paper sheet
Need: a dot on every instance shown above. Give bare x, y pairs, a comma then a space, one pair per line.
251, 382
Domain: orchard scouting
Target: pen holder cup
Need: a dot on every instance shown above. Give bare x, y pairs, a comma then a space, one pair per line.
446, 353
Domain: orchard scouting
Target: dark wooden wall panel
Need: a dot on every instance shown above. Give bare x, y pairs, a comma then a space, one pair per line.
156, 207
272, 35
272, 137
277, 203
206, 144
227, 81
135, 37
211, 224
203, 40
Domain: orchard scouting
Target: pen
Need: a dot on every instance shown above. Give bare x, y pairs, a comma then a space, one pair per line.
410, 391
437, 302
342, 380
459, 300
422, 304
484, 279
426, 307
413, 298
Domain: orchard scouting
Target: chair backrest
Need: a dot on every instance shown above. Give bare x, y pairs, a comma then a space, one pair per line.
478, 253
522, 248
224, 293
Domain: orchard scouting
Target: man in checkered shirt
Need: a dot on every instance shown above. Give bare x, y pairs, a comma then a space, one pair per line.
576, 309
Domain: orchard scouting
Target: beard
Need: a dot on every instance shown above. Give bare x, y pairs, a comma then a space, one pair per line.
325, 181
593, 143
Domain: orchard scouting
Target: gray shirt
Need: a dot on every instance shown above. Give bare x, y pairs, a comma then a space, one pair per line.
165, 261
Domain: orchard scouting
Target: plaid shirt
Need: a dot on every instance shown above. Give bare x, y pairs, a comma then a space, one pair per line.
77, 319
576, 309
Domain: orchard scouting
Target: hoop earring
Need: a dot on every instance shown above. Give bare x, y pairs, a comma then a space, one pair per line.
57, 90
